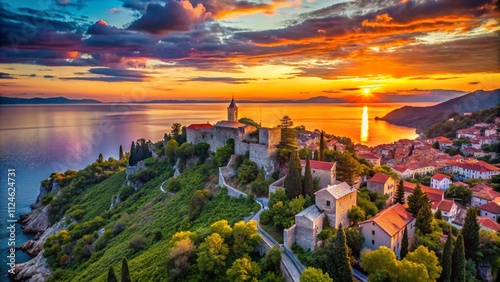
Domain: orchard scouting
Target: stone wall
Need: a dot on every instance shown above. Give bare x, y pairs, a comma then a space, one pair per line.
278, 184
264, 157
289, 236
231, 191
342, 207
194, 137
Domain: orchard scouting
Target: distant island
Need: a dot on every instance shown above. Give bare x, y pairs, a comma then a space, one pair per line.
52, 100
422, 118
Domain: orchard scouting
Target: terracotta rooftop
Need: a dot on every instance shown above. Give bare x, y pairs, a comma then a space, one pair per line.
440, 177
479, 166
435, 195
230, 124
481, 186
460, 183
380, 178
490, 207
392, 220
369, 156
338, 190
198, 126
486, 194
446, 205
399, 168
318, 164
488, 223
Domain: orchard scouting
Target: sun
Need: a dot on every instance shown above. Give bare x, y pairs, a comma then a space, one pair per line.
366, 91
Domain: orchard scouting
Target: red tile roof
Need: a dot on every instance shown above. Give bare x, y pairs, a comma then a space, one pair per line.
460, 183
380, 178
490, 207
446, 205
392, 220
485, 193
488, 223
479, 166
435, 195
369, 156
200, 126
400, 168
439, 176
481, 186
318, 164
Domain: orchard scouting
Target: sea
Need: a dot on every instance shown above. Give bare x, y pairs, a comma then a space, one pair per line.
36, 140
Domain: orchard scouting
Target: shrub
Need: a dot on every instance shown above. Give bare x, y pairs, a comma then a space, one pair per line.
137, 243
118, 228
47, 199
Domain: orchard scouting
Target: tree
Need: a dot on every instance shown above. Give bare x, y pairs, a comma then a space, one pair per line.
120, 155
312, 274
100, 159
404, 244
249, 121
308, 179
245, 237
212, 254
470, 232
435, 145
223, 228
112, 275
446, 260
339, 254
321, 146
438, 214
356, 215
176, 131
293, 180
271, 261
400, 193
286, 122
460, 192
247, 172
371, 262
170, 148
424, 219
416, 200
458, 261
131, 160
125, 271
243, 270
428, 258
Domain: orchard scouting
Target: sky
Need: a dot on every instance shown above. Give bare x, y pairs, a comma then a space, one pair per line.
136, 50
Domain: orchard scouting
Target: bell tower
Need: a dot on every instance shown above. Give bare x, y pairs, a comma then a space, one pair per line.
232, 111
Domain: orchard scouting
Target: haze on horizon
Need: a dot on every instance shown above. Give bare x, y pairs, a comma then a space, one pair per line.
136, 50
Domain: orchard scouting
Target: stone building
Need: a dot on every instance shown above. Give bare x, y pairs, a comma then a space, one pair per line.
262, 149
324, 171
384, 184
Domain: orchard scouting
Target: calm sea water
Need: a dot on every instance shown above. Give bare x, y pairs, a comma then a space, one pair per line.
37, 140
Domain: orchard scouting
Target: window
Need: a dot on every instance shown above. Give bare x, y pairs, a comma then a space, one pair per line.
373, 232
328, 203
373, 242
314, 171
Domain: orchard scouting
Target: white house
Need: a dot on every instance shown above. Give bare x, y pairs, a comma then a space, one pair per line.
403, 171
479, 169
440, 181
490, 209
325, 171
482, 194
448, 209
387, 227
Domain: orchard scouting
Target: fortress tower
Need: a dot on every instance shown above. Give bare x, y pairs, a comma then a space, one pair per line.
232, 111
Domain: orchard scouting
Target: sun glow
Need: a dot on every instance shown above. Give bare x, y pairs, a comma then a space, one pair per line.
366, 91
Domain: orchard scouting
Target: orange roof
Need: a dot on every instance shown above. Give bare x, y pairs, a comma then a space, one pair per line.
435, 195
392, 220
487, 194
318, 164
460, 183
439, 176
369, 156
446, 205
380, 178
481, 186
490, 207
488, 223
478, 166
400, 168
200, 126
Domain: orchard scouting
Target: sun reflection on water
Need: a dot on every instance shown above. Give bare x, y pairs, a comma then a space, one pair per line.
364, 125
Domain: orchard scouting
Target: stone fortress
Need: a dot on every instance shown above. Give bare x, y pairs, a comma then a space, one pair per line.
262, 148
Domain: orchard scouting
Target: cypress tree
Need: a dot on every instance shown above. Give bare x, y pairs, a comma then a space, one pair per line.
112, 275
132, 154
316, 153
415, 200
321, 146
438, 215
125, 271
340, 266
470, 231
458, 261
120, 155
308, 179
400, 193
424, 219
446, 260
404, 245
100, 159
293, 180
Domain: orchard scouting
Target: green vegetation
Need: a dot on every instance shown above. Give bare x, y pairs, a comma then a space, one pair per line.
340, 268
400, 193
223, 154
404, 244
448, 127
312, 274
348, 167
470, 232
282, 210
382, 265
459, 192
249, 121
417, 200
308, 182
458, 269
139, 151
446, 260
424, 219
321, 151
293, 180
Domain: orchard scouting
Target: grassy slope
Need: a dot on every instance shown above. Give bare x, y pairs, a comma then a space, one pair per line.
145, 212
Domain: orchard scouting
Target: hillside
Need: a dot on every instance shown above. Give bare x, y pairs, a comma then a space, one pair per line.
37, 100
424, 117
142, 226
448, 127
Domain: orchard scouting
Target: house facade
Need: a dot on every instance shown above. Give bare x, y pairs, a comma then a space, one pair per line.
335, 201
440, 181
403, 171
490, 209
482, 194
382, 183
324, 171
387, 227
479, 169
